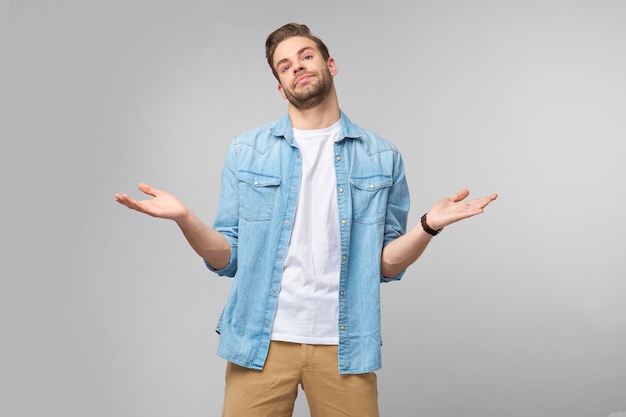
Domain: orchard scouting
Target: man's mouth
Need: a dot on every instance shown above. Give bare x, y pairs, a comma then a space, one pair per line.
303, 79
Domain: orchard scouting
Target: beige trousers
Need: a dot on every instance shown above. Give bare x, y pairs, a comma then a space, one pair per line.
272, 391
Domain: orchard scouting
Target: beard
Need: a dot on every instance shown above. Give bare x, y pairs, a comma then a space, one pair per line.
311, 95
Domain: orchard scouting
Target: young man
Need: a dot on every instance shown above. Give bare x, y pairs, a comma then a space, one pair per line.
312, 218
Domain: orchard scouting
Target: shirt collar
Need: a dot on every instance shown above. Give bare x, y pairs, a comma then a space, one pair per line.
283, 128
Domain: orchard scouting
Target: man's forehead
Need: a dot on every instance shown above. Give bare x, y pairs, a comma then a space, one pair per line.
292, 46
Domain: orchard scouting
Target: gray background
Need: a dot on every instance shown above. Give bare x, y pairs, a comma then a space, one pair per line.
518, 312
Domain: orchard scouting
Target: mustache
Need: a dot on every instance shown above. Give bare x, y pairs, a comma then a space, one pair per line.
304, 74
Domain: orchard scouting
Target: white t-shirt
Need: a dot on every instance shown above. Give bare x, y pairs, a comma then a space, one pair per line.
308, 301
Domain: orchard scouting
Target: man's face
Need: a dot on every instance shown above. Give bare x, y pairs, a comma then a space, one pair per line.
305, 78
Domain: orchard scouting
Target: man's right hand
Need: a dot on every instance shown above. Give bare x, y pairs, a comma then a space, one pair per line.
163, 205
210, 244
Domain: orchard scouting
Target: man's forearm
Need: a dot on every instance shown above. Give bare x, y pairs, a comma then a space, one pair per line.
402, 252
210, 244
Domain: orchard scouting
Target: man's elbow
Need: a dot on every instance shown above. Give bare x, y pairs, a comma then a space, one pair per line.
390, 270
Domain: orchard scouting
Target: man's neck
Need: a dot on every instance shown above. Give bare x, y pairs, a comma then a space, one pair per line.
318, 117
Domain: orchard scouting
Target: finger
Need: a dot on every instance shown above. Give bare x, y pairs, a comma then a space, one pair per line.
125, 200
145, 188
460, 195
484, 201
490, 198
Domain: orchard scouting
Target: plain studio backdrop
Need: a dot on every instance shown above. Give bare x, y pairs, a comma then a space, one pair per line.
520, 312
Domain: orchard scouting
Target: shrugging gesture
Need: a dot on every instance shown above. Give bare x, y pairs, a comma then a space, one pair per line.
405, 250
210, 244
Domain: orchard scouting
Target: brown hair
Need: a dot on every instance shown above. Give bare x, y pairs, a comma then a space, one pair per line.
288, 31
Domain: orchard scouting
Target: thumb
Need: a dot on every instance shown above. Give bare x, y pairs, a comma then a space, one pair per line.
460, 195
145, 188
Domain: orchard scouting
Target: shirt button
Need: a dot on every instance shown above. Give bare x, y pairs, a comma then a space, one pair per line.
268, 325
286, 221
371, 185
344, 257
338, 158
342, 327
341, 190
280, 256
343, 222
256, 183
342, 293
273, 291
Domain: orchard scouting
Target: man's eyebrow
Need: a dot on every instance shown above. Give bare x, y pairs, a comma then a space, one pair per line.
299, 53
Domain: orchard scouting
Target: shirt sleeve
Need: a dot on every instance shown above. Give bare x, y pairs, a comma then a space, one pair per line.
227, 219
398, 203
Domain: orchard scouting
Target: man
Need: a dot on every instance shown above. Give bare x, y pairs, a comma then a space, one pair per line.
312, 218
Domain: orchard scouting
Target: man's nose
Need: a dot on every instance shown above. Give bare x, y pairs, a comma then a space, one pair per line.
298, 68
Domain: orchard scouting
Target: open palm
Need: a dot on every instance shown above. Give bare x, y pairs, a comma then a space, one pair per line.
452, 209
163, 205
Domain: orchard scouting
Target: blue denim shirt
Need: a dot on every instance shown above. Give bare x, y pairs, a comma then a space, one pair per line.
260, 185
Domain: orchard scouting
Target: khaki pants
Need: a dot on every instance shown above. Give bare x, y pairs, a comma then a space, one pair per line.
272, 391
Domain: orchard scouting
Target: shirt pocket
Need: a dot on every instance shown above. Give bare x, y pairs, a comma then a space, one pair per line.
369, 198
257, 193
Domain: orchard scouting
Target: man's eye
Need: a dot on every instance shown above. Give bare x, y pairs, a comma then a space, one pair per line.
308, 57
285, 68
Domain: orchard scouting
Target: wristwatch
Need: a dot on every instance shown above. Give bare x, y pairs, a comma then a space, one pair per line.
427, 228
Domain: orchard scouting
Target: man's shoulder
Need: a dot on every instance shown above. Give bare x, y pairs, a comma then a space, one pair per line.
258, 140
258, 132
372, 140
265, 134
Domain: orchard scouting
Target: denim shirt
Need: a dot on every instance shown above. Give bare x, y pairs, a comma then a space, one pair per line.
260, 185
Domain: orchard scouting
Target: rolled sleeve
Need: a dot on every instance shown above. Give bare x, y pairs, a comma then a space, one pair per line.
397, 209
227, 219
231, 269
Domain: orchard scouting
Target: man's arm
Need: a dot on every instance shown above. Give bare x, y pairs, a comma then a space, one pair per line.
210, 244
403, 251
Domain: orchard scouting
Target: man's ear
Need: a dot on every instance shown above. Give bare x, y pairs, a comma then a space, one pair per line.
332, 66
281, 91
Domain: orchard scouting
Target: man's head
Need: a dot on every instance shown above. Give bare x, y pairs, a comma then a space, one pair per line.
302, 65
288, 31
